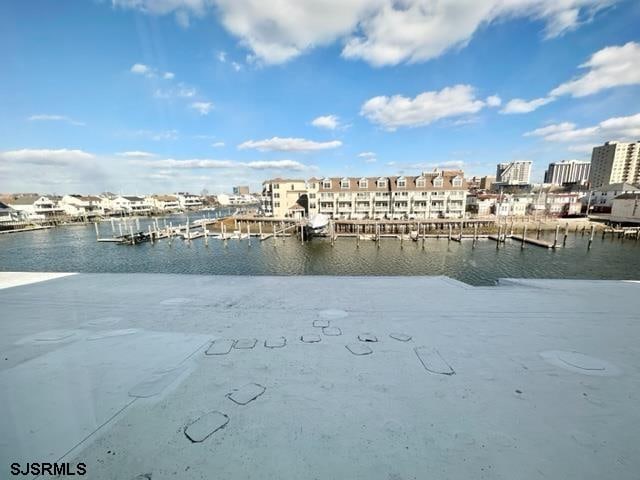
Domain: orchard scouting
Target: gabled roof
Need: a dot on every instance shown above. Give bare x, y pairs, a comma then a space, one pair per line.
133, 198
25, 200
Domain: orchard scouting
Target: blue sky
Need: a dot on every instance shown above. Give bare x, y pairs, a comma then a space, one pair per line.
144, 96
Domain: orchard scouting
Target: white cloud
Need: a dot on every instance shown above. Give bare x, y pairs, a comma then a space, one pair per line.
610, 67
288, 145
203, 108
136, 154
186, 91
366, 154
140, 69
152, 134
419, 30
45, 156
217, 144
330, 122
616, 128
168, 75
493, 101
236, 66
381, 32
211, 164
427, 107
276, 164
222, 57
518, 105
55, 118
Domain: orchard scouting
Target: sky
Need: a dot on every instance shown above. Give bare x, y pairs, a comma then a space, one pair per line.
151, 96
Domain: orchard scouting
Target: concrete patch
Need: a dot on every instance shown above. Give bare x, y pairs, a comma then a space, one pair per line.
580, 363
359, 349
332, 331
245, 343
246, 393
402, 337
277, 342
433, 362
222, 346
367, 337
205, 426
310, 338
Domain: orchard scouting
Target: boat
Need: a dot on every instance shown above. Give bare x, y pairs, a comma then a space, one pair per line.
317, 225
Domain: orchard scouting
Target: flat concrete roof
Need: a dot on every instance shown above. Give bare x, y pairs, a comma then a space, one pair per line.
185, 376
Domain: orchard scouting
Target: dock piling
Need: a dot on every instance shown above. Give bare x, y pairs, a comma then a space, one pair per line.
566, 233
593, 227
97, 232
524, 235
555, 238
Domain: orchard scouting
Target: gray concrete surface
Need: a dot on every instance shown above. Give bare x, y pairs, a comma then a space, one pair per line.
530, 379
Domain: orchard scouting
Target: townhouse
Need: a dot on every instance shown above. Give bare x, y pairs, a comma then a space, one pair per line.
437, 194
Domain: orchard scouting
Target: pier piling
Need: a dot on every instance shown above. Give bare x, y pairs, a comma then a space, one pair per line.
593, 227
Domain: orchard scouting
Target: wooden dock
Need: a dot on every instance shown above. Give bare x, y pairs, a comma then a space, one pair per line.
533, 241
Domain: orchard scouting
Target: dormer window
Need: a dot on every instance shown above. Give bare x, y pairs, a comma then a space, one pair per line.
438, 182
402, 182
364, 183
420, 182
457, 182
344, 183
382, 183
326, 183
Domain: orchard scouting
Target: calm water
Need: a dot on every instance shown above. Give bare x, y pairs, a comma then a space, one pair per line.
74, 249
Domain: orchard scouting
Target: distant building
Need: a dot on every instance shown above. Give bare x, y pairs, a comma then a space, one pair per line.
241, 190
36, 207
567, 171
8, 214
188, 201
436, 194
626, 208
283, 197
601, 199
233, 200
81, 205
615, 162
130, 204
164, 203
514, 173
486, 182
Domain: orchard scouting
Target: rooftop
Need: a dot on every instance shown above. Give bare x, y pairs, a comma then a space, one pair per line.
528, 379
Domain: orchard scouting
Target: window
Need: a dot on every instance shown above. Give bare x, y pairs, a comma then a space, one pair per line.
276, 186
438, 182
276, 195
402, 182
457, 182
382, 183
276, 204
364, 183
326, 183
420, 182
344, 183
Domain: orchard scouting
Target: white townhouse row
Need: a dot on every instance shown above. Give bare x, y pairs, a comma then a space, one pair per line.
437, 194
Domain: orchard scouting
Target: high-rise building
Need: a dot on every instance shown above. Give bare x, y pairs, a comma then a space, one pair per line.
514, 173
615, 162
567, 171
241, 190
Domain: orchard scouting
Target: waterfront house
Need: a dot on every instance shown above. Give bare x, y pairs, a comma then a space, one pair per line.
188, 201
601, 199
36, 207
8, 214
481, 204
280, 194
626, 208
164, 203
81, 205
131, 205
437, 194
